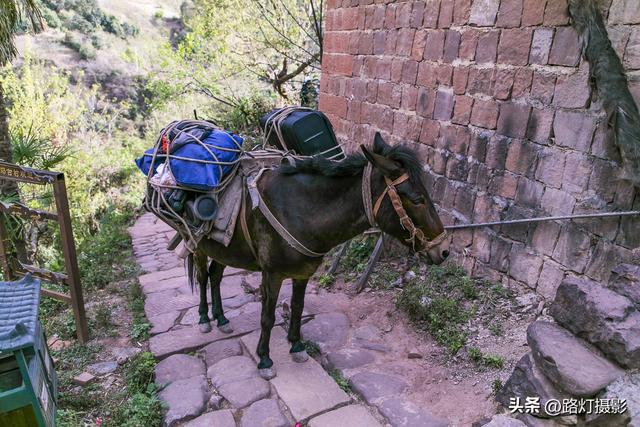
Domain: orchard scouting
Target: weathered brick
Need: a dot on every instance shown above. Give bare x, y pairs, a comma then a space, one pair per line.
445, 18
605, 258
524, 266
513, 119
457, 170
451, 46
629, 226
400, 124
426, 75
486, 208
443, 108
573, 130
573, 248
544, 237
444, 74
572, 91
533, 12
500, 250
460, 78
481, 246
365, 43
522, 157
550, 168
497, 153
543, 87
529, 193
419, 43
478, 145
632, 54
604, 145
509, 14
503, 83
397, 65
461, 12
487, 46
425, 102
374, 17
431, 12
484, 114
390, 41
409, 71
462, 109
551, 276
379, 68
514, 46
403, 14
504, 185
468, 43
540, 46
565, 49
389, 94
557, 202
483, 12
577, 171
600, 180
481, 81
456, 139
619, 36
354, 111
624, 12
405, 41
333, 105
430, 131
556, 13
522, 82
390, 16
338, 64
372, 91
540, 125
435, 45
417, 15
409, 97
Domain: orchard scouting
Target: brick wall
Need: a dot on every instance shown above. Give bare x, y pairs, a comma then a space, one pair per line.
495, 97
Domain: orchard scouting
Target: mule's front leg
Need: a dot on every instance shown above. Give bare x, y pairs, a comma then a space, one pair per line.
200, 265
298, 352
270, 288
216, 271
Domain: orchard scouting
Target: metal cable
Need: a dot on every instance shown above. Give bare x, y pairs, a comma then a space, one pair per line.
542, 219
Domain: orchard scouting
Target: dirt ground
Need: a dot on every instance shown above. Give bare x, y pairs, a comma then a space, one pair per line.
452, 387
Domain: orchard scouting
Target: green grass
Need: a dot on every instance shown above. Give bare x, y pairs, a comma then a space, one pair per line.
496, 386
482, 359
342, 382
141, 327
326, 280
139, 372
445, 300
311, 348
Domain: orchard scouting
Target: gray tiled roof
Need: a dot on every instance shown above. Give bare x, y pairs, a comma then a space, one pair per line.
18, 312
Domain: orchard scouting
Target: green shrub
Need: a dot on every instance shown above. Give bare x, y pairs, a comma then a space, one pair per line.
139, 372
141, 409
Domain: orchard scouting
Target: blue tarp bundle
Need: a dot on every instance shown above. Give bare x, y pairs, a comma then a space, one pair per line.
195, 174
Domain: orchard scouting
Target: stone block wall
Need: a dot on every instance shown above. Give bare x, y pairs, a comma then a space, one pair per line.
495, 97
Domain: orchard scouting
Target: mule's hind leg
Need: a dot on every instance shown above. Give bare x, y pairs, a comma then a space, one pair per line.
200, 264
216, 271
270, 288
298, 352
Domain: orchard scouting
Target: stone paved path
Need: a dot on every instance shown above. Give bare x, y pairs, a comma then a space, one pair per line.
212, 380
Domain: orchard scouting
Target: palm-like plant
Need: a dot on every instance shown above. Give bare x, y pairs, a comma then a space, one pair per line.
11, 12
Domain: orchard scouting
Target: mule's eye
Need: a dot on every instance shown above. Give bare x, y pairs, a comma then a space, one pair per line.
417, 200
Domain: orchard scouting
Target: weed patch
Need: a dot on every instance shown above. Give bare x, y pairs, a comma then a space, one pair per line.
444, 300
342, 382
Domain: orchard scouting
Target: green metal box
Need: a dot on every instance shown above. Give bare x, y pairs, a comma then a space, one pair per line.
28, 383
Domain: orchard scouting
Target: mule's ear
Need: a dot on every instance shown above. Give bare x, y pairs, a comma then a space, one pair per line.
388, 167
379, 146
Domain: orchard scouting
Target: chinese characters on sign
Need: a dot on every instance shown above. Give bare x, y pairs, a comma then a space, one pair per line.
554, 407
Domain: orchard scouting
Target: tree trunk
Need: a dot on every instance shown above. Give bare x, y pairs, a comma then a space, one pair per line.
9, 188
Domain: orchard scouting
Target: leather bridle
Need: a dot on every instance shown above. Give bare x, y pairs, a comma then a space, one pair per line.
371, 210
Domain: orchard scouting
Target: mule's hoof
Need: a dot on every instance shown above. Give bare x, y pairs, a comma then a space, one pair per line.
267, 373
300, 356
204, 327
226, 328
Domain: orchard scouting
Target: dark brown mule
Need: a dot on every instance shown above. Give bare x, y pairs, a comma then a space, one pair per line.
320, 202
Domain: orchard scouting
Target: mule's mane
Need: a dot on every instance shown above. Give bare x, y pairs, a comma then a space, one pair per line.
354, 164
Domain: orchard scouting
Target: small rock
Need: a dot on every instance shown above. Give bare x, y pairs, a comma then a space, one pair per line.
397, 283
264, 413
122, 355
178, 367
628, 388
373, 386
528, 301
415, 354
568, 362
215, 401
625, 280
83, 379
103, 368
409, 276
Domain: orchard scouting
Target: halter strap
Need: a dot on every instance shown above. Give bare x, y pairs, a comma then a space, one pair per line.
371, 211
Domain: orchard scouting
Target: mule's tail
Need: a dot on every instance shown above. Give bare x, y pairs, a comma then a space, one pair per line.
189, 265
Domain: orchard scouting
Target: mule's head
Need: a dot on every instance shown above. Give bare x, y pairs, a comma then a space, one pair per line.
396, 163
